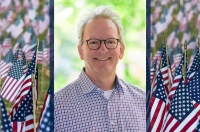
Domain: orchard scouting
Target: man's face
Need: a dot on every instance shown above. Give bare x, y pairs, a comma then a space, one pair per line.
102, 60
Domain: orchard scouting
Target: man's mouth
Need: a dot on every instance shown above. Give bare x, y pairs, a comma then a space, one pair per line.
102, 59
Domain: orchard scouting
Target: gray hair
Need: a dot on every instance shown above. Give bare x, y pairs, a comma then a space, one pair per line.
100, 11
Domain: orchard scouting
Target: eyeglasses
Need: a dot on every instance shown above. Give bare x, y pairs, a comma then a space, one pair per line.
110, 43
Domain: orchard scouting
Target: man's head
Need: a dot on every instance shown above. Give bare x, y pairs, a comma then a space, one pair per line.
101, 45
101, 11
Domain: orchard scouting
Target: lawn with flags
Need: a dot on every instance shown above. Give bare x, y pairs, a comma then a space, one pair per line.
179, 109
24, 63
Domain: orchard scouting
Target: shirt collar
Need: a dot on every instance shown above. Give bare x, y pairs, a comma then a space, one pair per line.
120, 85
87, 85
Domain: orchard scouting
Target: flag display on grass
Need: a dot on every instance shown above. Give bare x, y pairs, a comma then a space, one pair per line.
180, 23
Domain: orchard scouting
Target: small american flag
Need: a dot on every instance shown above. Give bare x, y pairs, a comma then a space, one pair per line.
31, 12
13, 81
182, 115
7, 44
47, 124
158, 105
5, 123
195, 65
23, 118
47, 102
26, 86
177, 79
43, 23
5, 64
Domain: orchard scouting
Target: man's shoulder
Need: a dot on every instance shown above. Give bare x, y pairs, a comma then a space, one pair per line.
66, 91
133, 89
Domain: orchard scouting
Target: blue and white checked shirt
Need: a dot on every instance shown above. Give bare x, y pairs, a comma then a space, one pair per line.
82, 107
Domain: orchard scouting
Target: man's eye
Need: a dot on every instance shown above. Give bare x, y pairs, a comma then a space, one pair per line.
93, 42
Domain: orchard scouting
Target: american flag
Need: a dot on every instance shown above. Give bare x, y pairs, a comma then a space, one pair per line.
164, 2
173, 6
19, 44
5, 64
48, 98
186, 35
167, 15
13, 81
180, 14
175, 41
177, 79
7, 45
26, 86
187, 6
158, 105
35, 3
164, 70
194, 90
30, 49
194, 86
161, 25
27, 34
23, 118
5, 5
17, 5
27, 21
172, 36
46, 7
191, 14
43, 23
35, 25
26, 4
182, 115
16, 28
157, 11
31, 12
192, 44
195, 65
5, 123
177, 54
3, 25
9, 16
183, 24
47, 124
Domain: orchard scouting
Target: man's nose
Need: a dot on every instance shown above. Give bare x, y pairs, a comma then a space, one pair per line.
103, 48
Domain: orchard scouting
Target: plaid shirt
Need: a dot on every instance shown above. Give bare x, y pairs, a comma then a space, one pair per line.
81, 106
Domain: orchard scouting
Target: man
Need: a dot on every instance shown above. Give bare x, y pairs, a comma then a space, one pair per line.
98, 100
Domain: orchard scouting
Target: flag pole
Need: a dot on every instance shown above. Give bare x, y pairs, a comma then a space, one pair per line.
33, 85
199, 46
168, 68
42, 69
184, 65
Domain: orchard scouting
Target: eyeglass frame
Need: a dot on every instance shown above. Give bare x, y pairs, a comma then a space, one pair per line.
118, 40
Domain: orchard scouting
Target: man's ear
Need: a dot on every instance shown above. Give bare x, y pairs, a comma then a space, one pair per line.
80, 51
122, 48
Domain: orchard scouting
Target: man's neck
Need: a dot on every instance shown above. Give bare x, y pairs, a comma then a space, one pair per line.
105, 82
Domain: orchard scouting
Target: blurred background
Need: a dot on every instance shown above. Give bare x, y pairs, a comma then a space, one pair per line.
67, 64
